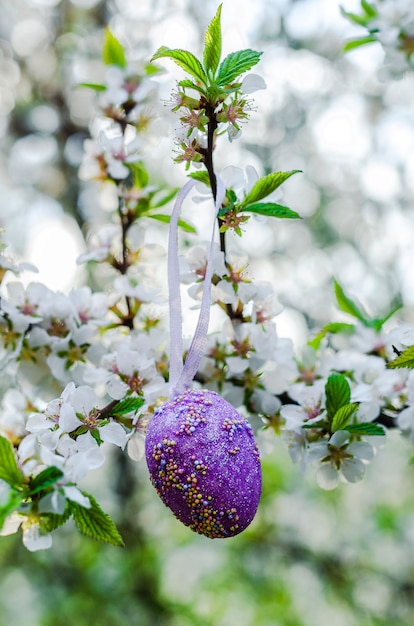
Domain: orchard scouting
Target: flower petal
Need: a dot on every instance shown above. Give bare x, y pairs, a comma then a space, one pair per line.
75, 495
11, 524
38, 422
252, 83
327, 477
113, 433
136, 447
361, 450
34, 538
339, 438
68, 420
353, 470
115, 387
317, 451
54, 502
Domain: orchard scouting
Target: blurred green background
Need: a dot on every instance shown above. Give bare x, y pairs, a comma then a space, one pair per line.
310, 558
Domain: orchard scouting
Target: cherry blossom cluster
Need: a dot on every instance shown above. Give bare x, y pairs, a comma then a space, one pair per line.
109, 378
252, 367
214, 99
195, 115
88, 369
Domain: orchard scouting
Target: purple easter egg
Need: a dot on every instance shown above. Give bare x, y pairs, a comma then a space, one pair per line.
204, 463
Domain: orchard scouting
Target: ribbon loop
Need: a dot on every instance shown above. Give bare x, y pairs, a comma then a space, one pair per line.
182, 375
174, 301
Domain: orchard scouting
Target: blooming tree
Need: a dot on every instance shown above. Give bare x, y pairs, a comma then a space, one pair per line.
89, 369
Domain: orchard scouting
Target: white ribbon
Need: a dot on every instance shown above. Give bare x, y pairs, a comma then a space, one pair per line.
181, 375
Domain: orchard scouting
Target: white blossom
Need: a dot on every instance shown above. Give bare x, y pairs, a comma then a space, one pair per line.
126, 85
193, 265
119, 151
130, 370
131, 287
309, 408
102, 242
338, 459
35, 537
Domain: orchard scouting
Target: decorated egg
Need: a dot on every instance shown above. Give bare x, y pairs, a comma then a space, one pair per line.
204, 463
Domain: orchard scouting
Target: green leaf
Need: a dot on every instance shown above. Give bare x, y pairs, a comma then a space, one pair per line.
94, 86
215, 94
186, 227
235, 64
405, 359
361, 20
190, 85
366, 428
151, 69
338, 394
356, 43
13, 503
342, 417
165, 199
333, 327
96, 435
139, 174
320, 424
167, 219
378, 322
46, 478
348, 306
266, 185
369, 9
95, 523
184, 59
271, 210
224, 210
9, 470
128, 405
202, 176
113, 50
212, 44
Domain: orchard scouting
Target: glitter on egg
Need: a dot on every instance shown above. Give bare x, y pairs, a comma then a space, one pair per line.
204, 463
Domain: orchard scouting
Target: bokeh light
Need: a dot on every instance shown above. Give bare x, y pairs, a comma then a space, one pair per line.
309, 558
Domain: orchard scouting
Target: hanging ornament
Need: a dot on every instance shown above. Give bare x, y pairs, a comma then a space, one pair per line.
201, 454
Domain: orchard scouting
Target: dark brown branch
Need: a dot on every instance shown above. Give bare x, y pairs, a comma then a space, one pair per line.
126, 220
208, 162
107, 410
386, 420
